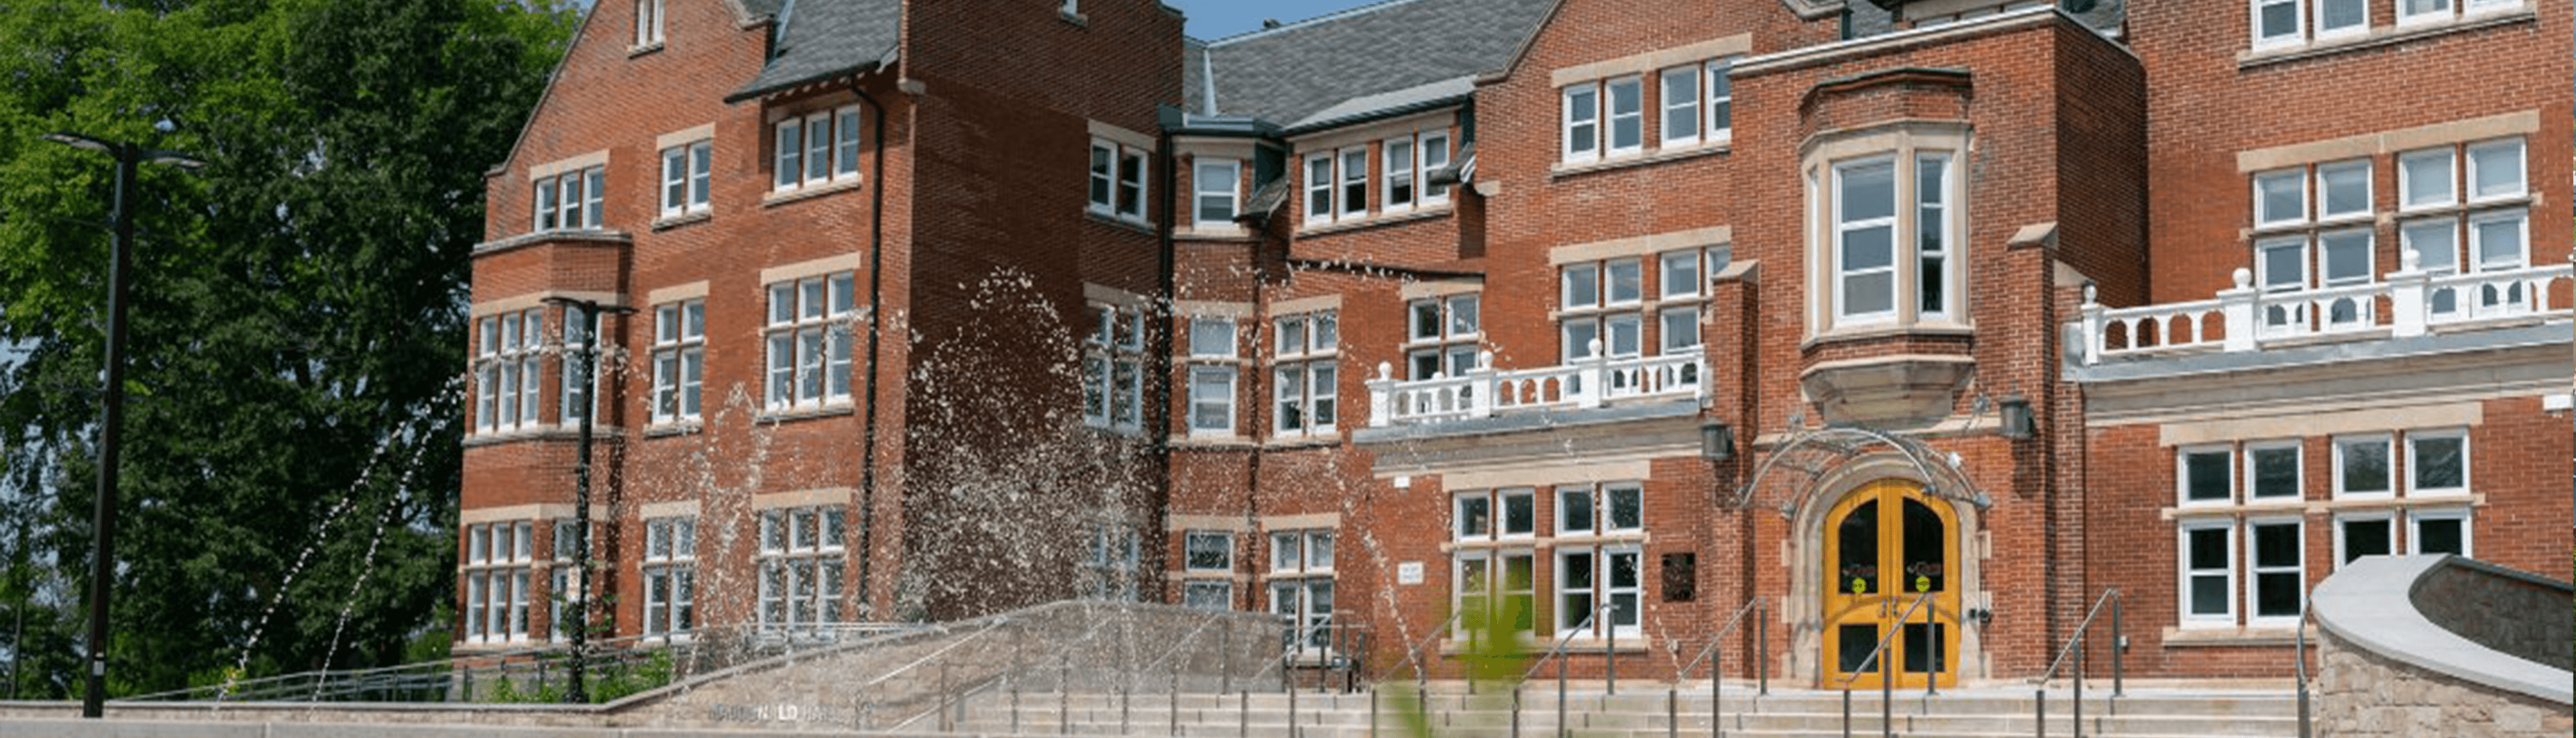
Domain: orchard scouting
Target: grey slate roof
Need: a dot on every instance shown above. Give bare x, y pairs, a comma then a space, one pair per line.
823, 38
1289, 75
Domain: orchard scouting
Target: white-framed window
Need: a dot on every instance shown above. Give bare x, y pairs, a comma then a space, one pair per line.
2205, 475
2361, 467
2343, 190
1490, 515
1721, 99
1581, 107
1680, 273
1113, 369
575, 398
809, 332
1617, 508
1577, 576
2437, 462
1212, 376
803, 552
571, 201
1402, 172
1109, 563
1932, 235
1351, 196
817, 148
1501, 583
2278, 23
1301, 583
670, 575
2281, 265
1443, 335
679, 360
498, 561
1680, 92
508, 371
1435, 157
648, 22
2340, 18
2280, 198
565, 596
1626, 99
2425, 178
2276, 553
687, 172
1599, 589
1208, 551
1679, 330
1319, 188
2345, 257
2423, 11
1864, 232
2208, 563
2273, 471
2359, 534
1305, 383
2438, 531
1216, 181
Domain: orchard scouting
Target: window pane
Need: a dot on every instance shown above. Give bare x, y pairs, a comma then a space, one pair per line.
2278, 19
790, 145
2284, 264
2347, 256
1426, 320
2365, 466
2279, 198
1582, 286
1627, 508
1856, 540
2440, 535
2496, 169
2276, 545
1680, 273
2208, 548
1868, 192
1463, 317
2276, 594
1626, 334
1870, 293
2208, 594
1681, 103
2365, 538
845, 155
2428, 177
2340, 14
2434, 243
1211, 337
2208, 476
1680, 328
2344, 189
2499, 242
1475, 516
1626, 281
1574, 510
1101, 158
2276, 472
1520, 513
2437, 462
1627, 122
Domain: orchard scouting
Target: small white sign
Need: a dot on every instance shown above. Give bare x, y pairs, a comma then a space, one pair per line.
1409, 572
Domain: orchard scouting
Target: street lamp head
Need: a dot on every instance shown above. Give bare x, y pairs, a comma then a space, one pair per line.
176, 159
78, 141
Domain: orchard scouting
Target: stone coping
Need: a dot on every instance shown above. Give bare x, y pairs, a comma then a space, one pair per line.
2370, 604
2553, 331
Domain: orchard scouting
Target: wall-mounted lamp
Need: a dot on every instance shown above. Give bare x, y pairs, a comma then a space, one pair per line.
1717, 441
2016, 418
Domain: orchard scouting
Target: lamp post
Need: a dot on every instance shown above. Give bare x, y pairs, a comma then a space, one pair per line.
590, 310
112, 418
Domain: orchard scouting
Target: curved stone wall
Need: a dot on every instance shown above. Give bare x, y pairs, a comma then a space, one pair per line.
2439, 645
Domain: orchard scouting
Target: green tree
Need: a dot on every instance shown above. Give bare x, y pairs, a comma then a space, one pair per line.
292, 441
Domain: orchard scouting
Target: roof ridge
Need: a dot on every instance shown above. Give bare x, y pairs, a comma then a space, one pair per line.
1327, 17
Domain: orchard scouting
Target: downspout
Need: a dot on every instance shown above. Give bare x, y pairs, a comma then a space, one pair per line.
1166, 119
1252, 471
876, 329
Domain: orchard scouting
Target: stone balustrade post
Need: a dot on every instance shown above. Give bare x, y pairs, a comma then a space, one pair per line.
2408, 296
1381, 396
1596, 377
2239, 310
1480, 386
2093, 340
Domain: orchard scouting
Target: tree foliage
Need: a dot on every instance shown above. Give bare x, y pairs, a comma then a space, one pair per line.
292, 441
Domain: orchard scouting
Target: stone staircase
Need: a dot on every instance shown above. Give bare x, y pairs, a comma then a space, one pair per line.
1635, 712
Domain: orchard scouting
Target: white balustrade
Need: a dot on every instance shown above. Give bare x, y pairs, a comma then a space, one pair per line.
2407, 303
1484, 391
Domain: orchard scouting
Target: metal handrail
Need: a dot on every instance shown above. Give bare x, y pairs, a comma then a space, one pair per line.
2110, 596
1872, 658
1413, 653
1887, 676
1720, 639
1563, 640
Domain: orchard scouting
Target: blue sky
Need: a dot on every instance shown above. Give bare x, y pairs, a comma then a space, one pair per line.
1215, 19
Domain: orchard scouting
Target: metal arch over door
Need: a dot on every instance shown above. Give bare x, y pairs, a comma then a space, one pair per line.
1885, 544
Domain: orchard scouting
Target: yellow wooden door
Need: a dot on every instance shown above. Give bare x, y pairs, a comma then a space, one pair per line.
1885, 545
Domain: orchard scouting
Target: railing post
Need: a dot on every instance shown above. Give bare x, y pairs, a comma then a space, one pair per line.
1560, 692
2079, 685
2237, 308
1225, 646
1673, 710
1064, 696
1762, 648
1886, 693
2119, 644
1595, 377
2040, 707
941, 704
2407, 298
2093, 339
1481, 386
1516, 711
1176, 698
1243, 714
1381, 408
1610, 655
1716, 692
1846, 710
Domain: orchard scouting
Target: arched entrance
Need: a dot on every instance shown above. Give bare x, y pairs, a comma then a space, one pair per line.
1887, 543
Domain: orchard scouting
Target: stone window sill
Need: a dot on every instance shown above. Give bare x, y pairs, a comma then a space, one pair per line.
2324, 507
674, 428
1215, 233
1323, 439
1562, 170
700, 215
2380, 36
2229, 635
1077, 19
542, 433
1120, 221
636, 51
1374, 220
811, 191
835, 409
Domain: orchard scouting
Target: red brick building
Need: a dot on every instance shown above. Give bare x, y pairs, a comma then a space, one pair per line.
1610, 317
